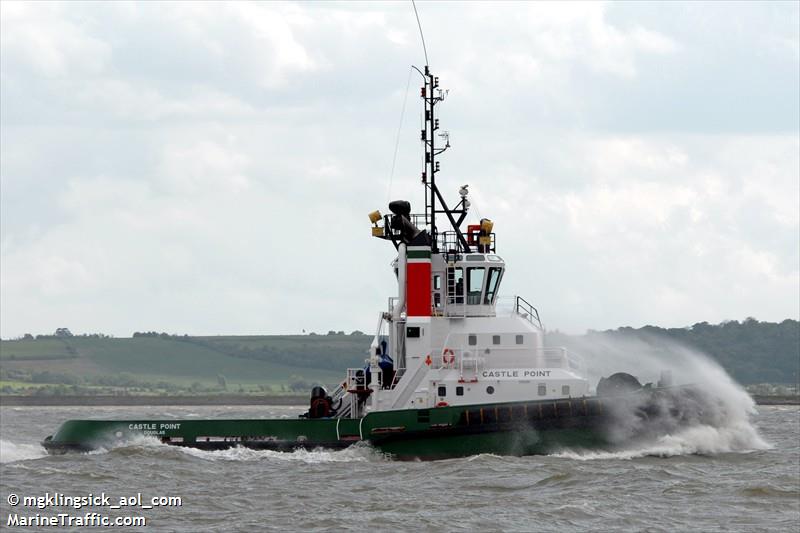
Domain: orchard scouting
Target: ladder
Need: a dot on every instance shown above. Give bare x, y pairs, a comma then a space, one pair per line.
346, 409
473, 361
451, 311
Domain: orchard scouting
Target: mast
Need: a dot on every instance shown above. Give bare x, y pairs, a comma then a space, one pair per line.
432, 95
402, 226
428, 140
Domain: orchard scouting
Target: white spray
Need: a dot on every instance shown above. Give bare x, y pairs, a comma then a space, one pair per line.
11, 452
724, 424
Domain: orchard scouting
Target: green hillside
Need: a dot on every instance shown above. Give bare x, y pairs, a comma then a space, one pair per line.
153, 363
750, 351
163, 363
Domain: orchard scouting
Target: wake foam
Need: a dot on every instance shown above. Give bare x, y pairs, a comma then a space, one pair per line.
11, 452
697, 440
360, 452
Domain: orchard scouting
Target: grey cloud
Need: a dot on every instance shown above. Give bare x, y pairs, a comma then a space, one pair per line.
207, 168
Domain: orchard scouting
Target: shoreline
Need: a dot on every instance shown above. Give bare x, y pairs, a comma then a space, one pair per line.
776, 400
110, 400
221, 400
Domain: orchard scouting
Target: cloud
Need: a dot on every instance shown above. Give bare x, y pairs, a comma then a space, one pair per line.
651, 234
39, 37
206, 168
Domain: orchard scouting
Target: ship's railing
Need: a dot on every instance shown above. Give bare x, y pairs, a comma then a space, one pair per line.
340, 398
523, 308
447, 241
517, 305
560, 357
357, 379
473, 358
575, 363
411, 383
339, 393
350, 392
451, 246
554, 357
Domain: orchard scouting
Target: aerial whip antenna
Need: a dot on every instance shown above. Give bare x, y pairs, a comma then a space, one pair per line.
425, 50
397, 139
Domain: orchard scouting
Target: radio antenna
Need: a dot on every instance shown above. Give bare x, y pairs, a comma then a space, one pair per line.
425, 50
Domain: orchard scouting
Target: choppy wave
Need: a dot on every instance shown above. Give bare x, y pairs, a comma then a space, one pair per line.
138, 445
768, 491
11, 451
739, 437
354, 453
483, 456
240, 489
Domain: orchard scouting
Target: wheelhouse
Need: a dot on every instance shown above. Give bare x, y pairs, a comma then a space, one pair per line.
466, 284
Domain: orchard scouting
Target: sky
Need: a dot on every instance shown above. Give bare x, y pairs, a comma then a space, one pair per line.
207, 168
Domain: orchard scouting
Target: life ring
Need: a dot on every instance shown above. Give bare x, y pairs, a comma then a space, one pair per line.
442, 404
448, 356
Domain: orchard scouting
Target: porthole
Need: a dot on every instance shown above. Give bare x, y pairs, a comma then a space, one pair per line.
489, 390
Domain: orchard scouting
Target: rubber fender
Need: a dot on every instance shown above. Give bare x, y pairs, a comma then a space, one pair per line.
616, 384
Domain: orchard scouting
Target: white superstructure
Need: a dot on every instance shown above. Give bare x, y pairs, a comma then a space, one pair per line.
447, 338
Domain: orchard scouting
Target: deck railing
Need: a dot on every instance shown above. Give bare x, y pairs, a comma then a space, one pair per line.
523, 308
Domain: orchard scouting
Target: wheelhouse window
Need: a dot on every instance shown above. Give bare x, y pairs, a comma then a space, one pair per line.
565, 390
491, 285
475, 277
495, 339
520, 339
542, 389
472, 340
459, 391
442, 391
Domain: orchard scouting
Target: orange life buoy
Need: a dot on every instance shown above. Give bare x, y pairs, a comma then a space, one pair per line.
442, 404
448, 356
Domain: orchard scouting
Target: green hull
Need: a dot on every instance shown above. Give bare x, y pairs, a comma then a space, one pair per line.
518, 428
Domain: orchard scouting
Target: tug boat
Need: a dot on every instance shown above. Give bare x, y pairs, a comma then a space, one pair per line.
453, 369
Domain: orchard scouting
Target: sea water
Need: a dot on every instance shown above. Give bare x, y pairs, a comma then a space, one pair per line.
743, 477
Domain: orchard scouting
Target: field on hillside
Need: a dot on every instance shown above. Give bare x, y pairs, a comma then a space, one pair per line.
163, 363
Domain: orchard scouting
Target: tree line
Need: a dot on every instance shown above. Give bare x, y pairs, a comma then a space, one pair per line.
750, 351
